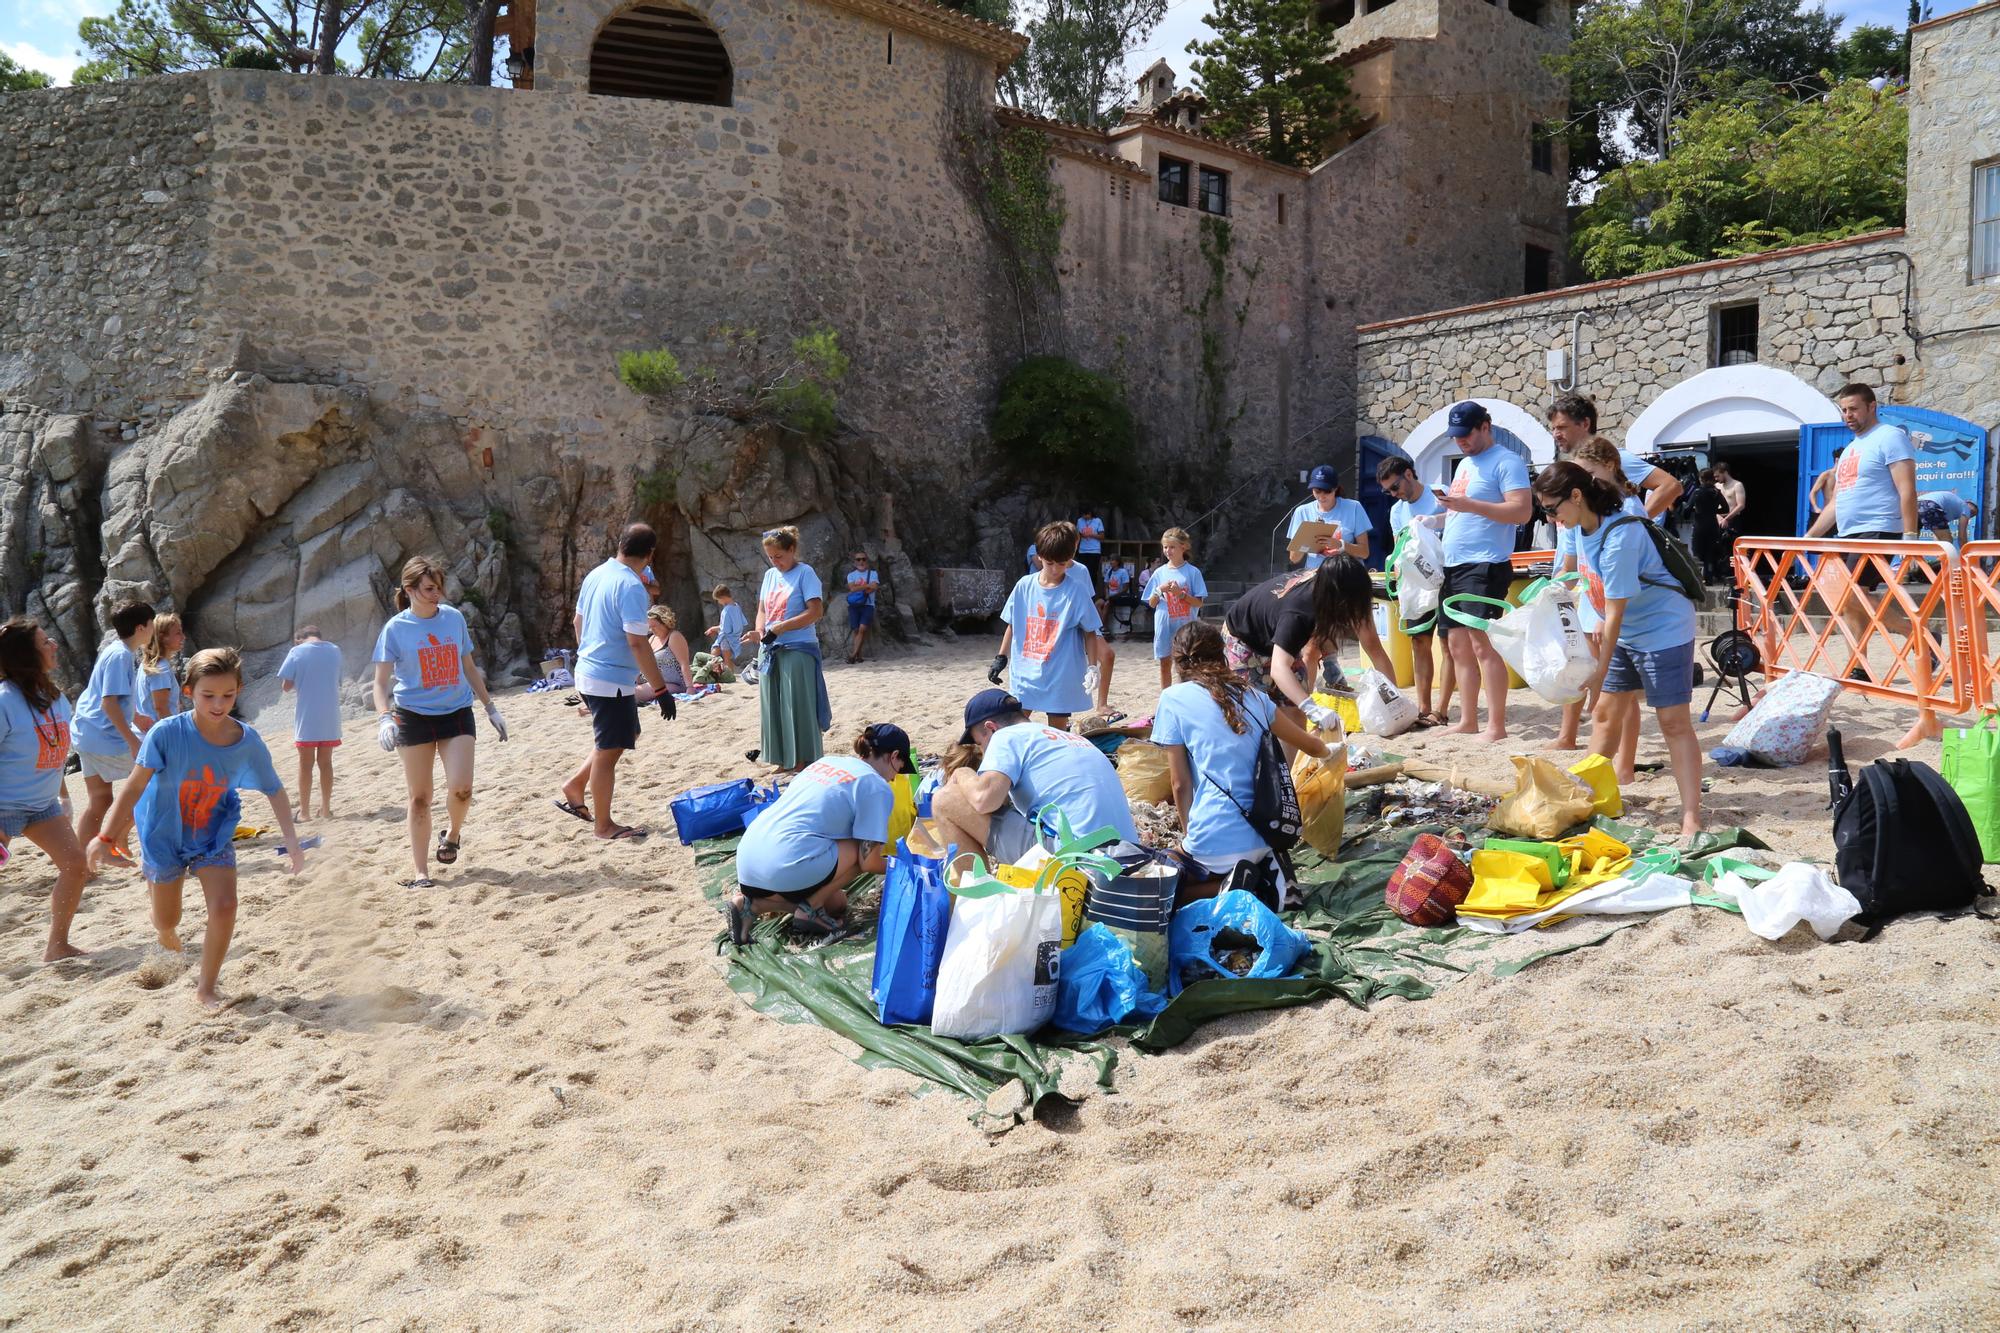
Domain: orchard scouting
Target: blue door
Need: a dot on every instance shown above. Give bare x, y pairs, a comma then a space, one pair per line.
1951, 456
1374, 499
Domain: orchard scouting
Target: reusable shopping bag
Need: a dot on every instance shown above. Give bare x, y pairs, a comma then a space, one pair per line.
1786, 724
1383, 709
903, 814
1548, 853
1217, 937
1080, 859
1426, 888
1143, 771
1507, 882
1540, 639
1598, 774
1546, 802
1322, 788
910, 935
1102, 984
1971, 765
1002, 956
1416, 574
719, 810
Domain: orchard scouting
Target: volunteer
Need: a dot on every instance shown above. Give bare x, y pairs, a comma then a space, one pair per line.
1413, 501
1025, 768
1277, 634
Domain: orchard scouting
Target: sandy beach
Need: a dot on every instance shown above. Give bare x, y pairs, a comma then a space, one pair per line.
526, 1099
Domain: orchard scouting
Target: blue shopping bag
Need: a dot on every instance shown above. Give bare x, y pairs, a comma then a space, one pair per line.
910, 934
1231, 923
1101, 984
718, 810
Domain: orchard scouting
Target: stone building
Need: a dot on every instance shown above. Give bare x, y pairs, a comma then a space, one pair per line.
1738, 358
262, 336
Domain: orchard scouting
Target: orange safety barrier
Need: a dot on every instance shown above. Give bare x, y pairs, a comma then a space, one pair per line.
1980, 562
1529, 559
1885, 618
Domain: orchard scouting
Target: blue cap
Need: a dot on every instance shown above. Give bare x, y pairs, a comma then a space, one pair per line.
1324, 478
984, 707
888, 738
1466, 418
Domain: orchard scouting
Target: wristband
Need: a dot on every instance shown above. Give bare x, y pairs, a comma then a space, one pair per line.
1913, 536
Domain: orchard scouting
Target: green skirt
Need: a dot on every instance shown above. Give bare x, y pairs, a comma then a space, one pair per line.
789, 698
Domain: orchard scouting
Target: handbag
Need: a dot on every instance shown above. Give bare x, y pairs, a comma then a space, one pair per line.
910, 934
718, 810
1971, 763
1002, 955
1429, 883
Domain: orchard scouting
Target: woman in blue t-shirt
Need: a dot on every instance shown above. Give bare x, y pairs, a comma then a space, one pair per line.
1646, 639
791, 678
34, 748
1212, 725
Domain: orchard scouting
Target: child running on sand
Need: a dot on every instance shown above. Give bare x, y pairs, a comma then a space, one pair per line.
34, 747
106, 743
311, 673
186, 821
1175, 593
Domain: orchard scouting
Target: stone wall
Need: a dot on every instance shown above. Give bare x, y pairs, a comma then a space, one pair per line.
1828, 314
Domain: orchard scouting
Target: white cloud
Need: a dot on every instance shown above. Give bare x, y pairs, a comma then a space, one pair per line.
69, 13
29, 56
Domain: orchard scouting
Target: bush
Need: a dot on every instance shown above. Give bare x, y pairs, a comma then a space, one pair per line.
252, 57
1056, 420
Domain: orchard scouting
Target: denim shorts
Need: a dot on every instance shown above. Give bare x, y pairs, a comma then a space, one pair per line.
14, 823
167, 874
1667, 676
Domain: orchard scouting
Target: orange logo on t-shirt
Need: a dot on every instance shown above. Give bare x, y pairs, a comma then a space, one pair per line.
1038, 640
200, 794
1461, 481
1180, 604
776, 602
1847, 470
825, 772
438, 664
1596, 587
52, 748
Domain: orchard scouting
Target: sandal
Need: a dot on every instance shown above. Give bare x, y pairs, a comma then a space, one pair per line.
742, 921
815, 923
628, 832
419, 883
1432, 719
447, 851
571, 808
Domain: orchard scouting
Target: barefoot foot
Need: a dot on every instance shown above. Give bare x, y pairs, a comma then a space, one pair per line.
209, 999
1491, 735
170, 941
57, 951
1469, 727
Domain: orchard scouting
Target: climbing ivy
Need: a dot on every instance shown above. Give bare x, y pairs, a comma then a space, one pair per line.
1024, 202
1220, 328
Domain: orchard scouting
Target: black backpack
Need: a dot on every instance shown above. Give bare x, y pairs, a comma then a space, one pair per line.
1675, 555
1274, 802
1902, 839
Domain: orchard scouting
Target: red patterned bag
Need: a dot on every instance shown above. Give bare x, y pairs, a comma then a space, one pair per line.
1426, 889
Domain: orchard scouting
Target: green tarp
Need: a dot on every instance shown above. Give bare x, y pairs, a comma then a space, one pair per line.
1361, 952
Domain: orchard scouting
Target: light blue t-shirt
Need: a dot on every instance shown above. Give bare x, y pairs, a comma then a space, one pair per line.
1189, 716
1050, 627
34, 746
785, 594
730, 632
1060, 768
1115, 579
1353, 520
1180, 592
865, 582
1619, 560
1950, 502
1566, 538
313, 667
1031, 557
190, 807
611, 604
1088, 530
1865, 498
790, 846
162, 677
1470, 539
1635, 468
114, 675
428, 657
1405, 512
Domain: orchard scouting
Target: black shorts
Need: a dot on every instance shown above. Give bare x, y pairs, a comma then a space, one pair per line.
1478, 580
430, 728
614, 720
1866, 573
796, 897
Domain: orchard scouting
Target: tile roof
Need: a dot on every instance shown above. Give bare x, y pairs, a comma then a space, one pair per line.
932, 20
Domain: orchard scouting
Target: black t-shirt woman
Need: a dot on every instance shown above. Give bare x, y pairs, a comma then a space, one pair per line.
1277, 634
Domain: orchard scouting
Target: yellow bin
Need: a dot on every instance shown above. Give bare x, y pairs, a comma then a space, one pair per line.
1402, 651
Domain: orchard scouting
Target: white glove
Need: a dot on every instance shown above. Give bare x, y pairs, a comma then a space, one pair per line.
387, 732
493, 716
1320, 715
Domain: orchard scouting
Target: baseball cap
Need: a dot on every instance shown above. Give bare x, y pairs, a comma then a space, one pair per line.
1324, 478
1465, 419
984, 707
888, 738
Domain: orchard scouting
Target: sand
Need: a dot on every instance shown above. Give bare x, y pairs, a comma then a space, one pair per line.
526, 1099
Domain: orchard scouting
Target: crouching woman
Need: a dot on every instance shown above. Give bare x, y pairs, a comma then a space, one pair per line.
830, 826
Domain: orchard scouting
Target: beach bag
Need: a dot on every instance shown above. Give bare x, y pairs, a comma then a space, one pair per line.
1426, 888
1546, 802
1540, 640
1136, 902
1102, 984
1971, 764
718, 810
1233, 937
910, 935
1002, 957
1675, 555
1383, 709
1322, 790
1274, 801
1787, 723
1416, 575
1902, 841
1597, 773
1080, 859
1143, 771
903, 814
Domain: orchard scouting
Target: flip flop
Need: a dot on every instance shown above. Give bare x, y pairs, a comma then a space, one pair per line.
632, 833
416, 883
1426, 720
447, 851
577, 811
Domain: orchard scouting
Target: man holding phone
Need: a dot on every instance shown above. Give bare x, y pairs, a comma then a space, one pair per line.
1488, 499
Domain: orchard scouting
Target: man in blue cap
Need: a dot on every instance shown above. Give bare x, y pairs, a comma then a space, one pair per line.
1327, 506
1488, 499
1025, 767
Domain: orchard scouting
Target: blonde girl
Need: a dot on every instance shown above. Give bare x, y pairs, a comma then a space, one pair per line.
670, 648
791, 689
159, 686
1175, 591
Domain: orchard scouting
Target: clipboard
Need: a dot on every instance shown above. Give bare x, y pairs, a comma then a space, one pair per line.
1307, 538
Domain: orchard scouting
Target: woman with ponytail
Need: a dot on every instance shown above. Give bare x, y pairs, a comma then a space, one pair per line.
34, 747
1647, 637
1601, 459
1212, 725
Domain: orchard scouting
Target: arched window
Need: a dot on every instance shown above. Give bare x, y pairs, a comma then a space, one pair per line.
658, 51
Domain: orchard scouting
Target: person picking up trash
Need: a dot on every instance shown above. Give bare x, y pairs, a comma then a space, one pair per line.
1023, 768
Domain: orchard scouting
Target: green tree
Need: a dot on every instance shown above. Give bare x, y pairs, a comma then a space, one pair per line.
1751, 175
395, 39
1076, 56
1059, 422
1266, 75
1870, 49
757, 380
15, 79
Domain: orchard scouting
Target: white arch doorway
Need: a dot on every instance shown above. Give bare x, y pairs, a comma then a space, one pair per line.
1726, 401
1430, 448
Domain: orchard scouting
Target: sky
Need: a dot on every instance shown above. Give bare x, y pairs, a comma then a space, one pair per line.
41, 34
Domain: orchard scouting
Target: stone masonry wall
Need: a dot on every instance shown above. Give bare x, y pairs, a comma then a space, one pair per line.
1827, 314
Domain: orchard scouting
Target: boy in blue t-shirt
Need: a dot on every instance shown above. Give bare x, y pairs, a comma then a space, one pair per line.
181, 800
718, 665
311, 672
1059, 634
1487, 502
103, 732
862, 582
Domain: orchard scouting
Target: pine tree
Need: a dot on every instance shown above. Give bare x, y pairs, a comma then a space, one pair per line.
1267, 76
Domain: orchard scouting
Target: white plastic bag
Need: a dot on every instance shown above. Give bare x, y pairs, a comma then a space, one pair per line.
1542, 642
1787, 722
1419, 574
1001, 960
1384, 709
1798, 892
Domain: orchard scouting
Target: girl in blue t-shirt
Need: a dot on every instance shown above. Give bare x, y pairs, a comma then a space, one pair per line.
1646, 641
424, 658
791, 677
181, 802
1601, 459
1175, 591
159, 695
34, 749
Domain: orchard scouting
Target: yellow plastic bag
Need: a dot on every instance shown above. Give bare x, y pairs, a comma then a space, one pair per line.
1350, 712
1594, 857
903, 815
1504, 883
1322, 788
1545, 802
1597, 774
1143, 772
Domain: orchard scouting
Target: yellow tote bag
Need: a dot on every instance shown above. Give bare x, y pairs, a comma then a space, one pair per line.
903, 815
1597, 772
1506, 883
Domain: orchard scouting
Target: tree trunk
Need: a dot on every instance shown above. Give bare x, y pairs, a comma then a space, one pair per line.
482, 43
329, 35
